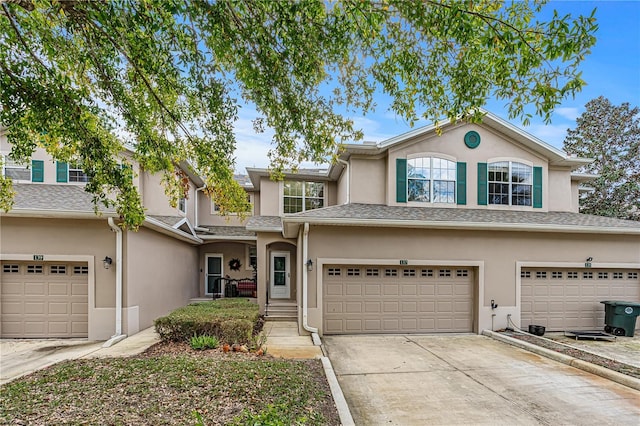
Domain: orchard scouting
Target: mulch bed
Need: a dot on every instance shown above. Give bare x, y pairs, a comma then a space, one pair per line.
620, 367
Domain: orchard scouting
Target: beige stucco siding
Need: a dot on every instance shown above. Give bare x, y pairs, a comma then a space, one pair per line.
156, 201
559, 191
161, 275
495, 253
270, 195
493, 147
368, 180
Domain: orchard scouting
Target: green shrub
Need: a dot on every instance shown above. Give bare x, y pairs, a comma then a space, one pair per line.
204, 342
229, 320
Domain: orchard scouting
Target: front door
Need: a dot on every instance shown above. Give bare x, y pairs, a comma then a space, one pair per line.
213, 275
280, 275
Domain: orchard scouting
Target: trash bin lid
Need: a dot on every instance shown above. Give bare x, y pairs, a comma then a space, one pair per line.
621, 303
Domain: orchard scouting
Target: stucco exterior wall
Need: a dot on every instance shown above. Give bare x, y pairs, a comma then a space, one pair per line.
72, 238
560, 194
494, 253
161, 275
269, 197
156, 201
368, 180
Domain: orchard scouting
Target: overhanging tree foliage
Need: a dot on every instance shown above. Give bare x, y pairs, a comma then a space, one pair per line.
83, 78
610, 135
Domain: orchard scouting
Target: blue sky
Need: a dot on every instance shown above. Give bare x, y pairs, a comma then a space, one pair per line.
612, 70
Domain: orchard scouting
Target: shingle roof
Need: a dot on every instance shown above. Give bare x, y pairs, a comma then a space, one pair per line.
264, 223
377, 212
225, 231
167, 220
60, 197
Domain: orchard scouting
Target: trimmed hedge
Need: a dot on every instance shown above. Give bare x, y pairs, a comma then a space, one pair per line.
230, 320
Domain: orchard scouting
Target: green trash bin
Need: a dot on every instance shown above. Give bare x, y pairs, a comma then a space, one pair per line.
620, 317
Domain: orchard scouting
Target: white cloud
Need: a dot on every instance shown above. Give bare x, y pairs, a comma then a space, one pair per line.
570, 113
553, 134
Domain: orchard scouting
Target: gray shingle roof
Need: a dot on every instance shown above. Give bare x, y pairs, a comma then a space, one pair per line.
59, 197
226, 231
264, 223
377, 212
167, 220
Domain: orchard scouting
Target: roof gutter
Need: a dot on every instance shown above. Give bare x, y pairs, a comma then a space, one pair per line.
118, 336
570, 229
305, 285
63, 214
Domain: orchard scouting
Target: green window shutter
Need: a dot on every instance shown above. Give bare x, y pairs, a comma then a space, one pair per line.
401, 180
62, 172
461, 183
37, 171
482, 184
537, 187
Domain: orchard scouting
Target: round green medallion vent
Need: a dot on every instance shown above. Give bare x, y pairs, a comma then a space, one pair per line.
472, 139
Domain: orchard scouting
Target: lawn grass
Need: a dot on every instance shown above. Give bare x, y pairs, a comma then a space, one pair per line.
171, 389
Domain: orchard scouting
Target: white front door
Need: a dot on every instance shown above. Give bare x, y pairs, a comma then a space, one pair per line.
280, 287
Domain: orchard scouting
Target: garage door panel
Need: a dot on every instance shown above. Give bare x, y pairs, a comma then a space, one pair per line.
427, 290
390, 289
59, 289
390, 307
42, 300
372, 289
567, 299
34, 289
396, 301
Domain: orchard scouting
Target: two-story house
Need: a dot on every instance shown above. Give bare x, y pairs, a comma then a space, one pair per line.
422, 233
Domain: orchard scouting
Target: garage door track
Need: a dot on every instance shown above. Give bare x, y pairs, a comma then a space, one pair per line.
469, 379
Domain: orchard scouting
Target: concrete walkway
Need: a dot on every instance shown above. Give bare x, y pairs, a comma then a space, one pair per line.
469, 379
283, 341
19, 357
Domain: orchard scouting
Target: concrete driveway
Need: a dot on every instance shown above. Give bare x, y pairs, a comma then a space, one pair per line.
469, 379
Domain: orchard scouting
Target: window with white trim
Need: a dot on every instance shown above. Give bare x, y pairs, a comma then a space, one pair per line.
510, 183
462, 273
618, 275
76, 174
541, 275
353, 272
572, 275
632, 275
15, 170
58, 270
334, 272
587, 275
252, 257
182, 205
426, 273
35, 269
390, 272
431, 180
299, 196
525, 274
444, 273
80, 270
556, 275
408, 272
603, 275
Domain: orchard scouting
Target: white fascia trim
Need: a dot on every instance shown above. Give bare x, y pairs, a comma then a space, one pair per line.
68, 214
274, 229
466, 225
168, 230
227, 238
182, 222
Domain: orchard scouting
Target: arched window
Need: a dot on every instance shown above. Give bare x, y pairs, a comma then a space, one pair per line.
510, 183
431, 180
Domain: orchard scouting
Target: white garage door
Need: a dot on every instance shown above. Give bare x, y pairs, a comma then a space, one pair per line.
569, 299
43, 299
392, 299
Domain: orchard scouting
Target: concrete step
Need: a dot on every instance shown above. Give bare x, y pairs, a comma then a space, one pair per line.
276, 317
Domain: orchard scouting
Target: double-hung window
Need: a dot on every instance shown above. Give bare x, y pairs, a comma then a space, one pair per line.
431, 180
15, 170
76, 174
510, 183
302, 196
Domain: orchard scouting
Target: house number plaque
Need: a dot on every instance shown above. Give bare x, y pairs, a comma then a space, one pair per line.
38, 257
404, 262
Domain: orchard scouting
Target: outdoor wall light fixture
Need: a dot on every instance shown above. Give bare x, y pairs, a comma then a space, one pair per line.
107, 261
309, 265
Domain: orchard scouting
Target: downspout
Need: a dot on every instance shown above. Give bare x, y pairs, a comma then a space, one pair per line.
305, 272
346, 166
118, 336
